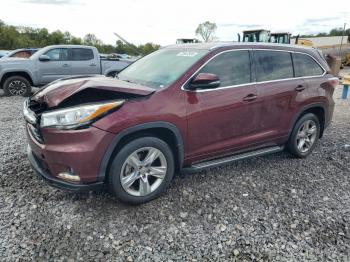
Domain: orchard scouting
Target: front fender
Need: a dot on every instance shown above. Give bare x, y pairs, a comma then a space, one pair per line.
160, 124
4, 72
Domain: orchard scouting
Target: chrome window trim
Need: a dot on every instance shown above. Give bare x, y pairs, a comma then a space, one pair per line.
251, 83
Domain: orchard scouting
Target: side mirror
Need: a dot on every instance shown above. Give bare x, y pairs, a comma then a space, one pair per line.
204, 81
44, 58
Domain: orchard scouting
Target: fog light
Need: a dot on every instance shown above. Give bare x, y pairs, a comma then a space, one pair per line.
69, 175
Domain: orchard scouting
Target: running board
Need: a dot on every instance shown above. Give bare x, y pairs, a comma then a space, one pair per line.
229, 159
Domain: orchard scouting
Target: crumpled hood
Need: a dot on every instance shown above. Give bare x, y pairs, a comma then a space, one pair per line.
58, 91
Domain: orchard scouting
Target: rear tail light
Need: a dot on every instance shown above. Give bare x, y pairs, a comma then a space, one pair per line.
333, 81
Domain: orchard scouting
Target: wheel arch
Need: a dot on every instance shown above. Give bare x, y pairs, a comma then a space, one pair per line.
318, 109
163, 130
24, 74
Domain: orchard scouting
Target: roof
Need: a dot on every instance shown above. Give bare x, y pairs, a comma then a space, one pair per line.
279, 33
255, 30
69, 46
217, 45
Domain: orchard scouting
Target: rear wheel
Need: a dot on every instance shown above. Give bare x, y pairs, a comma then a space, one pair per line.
304, 136
142, 170
17, 86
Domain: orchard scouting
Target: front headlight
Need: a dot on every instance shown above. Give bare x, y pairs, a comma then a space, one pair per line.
77, 116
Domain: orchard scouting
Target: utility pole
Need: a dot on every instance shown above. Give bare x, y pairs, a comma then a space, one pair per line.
342, 36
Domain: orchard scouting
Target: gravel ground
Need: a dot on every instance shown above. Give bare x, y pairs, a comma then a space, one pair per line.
268, 208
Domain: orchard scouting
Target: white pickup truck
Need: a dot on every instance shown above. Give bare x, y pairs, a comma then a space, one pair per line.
18, 75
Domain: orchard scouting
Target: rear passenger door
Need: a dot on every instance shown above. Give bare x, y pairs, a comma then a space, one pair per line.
280, 91
83, 61
226, 117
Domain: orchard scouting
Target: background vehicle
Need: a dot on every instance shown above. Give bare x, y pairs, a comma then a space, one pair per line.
257, 35
3, 53
264, 36
187, 41
22, 53
280, 38
50, 63
185, 108
304, 42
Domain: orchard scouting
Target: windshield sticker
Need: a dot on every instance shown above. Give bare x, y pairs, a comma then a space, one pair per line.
187, 53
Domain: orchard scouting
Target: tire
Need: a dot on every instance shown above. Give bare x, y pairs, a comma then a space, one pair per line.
299, 133
17, 86
122, 180
112, 74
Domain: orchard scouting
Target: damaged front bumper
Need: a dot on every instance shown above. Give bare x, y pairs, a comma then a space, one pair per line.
42, 172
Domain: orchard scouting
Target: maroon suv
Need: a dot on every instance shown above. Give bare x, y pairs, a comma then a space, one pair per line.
180, 109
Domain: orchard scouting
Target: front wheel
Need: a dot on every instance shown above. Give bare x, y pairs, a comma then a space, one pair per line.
17, 86
304, 136
142, 170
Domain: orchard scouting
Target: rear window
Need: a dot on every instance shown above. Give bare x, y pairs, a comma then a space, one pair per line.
273, 65
305, 65
81, 54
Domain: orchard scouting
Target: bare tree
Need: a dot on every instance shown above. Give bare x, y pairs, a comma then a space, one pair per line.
206, 30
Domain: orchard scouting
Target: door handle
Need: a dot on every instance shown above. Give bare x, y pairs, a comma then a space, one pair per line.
300, 88
93, 64
65, 65
250, 97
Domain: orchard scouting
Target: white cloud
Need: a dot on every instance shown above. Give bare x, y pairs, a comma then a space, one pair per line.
163, 22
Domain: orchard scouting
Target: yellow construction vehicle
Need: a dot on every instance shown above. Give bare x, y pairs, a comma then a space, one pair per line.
280, 38
257, 35
305, 42
347, 60
262, 35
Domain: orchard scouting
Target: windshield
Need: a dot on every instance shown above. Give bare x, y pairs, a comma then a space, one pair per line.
161, 68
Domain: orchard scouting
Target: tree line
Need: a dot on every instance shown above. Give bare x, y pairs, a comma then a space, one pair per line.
14, 37
332, 32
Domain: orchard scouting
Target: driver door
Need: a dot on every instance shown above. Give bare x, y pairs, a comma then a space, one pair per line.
57, 67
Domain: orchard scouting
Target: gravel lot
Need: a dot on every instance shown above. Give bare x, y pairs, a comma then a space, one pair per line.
268, 208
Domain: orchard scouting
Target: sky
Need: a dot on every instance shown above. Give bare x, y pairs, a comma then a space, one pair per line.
162, 21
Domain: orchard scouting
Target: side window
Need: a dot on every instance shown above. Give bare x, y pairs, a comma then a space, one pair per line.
304, 65
273, 65
232, 68
58, 54
81, 54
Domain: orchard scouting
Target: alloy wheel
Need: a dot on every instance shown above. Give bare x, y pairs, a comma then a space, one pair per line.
17, 87
143, 171
306, 136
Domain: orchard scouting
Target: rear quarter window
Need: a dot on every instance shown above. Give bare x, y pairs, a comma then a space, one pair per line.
305, 65
273, 65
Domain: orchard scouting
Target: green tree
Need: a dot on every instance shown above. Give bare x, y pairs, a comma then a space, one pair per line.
148, 48
56, 38
12, 37
206, 30
91, 39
